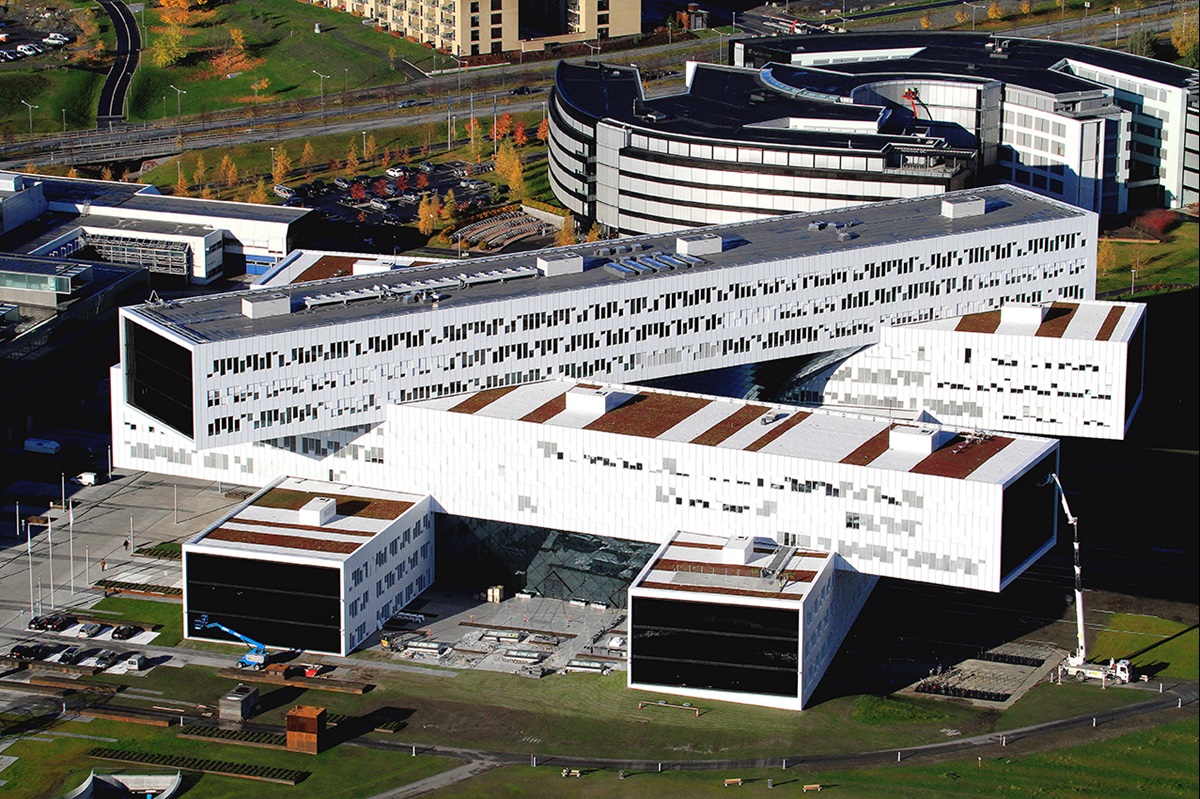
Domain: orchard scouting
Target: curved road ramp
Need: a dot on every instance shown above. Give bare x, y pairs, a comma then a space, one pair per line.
99, 786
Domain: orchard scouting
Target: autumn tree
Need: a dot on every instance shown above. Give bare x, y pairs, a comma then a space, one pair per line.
358, 191
449, 207
995, 10
520, 134
380, 187
402, 184
352, 162
593, 233
370, 149
106, 173
1106, 256
72, 172
508, 163
422, 181
1026, 7
961, 16
233, 58
427, 214
502, 126
474, 140
181, 185
926, 22
1184, 33
175, 12
260, 85
168, 48
224, 168
308, 156
199, 172
259, 195
516, 185
543, 131
385, 159
392, 58
281, 166
566, 236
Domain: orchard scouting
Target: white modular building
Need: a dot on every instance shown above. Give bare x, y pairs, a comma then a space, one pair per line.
309, 564
1056, 369
739, 620
892, 498
225, 387
820, 122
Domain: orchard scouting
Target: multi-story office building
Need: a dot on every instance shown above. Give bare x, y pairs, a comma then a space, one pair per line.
234, 379
1061, 369
475, 27
820, 122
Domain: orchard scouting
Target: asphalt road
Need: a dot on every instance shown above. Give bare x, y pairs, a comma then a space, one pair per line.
129, 47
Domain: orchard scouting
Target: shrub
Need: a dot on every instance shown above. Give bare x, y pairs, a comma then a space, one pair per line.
1157, 223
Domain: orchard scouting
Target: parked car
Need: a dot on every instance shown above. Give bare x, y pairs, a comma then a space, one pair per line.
390, 219
286, 192
426, 167
58, 622
521, 90
71, 655
396, 171
26, 50
30, 651
407, 104
342, 183
378, 204
135, 661
123, 632
107, 658
90, 630
8, 55
84, 479
318, 187
38, 622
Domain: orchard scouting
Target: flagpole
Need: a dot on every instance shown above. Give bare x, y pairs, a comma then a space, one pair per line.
71, 523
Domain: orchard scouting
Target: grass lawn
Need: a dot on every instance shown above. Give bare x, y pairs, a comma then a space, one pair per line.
146, 611
282, 47
1177, 260
51, 82
1160, 762
1047, 701
49, 768
1155, 646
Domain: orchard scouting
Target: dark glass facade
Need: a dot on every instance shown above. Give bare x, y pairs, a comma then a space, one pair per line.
279, 604
1027, 520
714, 646
551, 563
158, 378
1134, 372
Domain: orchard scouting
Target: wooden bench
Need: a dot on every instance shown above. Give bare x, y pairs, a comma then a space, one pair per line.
733, 781
815, 787
572, 772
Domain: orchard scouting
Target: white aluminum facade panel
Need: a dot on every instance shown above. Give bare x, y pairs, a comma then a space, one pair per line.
304, 380
1017, 382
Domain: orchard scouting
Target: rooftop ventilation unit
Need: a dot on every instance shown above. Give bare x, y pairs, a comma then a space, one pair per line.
1026, 315
699, 244
318, 511
738, 550
918, 440
560, 264
259, 307
593, 401
962, 207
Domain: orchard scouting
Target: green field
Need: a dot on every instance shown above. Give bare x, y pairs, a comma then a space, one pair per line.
1154, 763
1175, 261
54, 84
124, 610
1155, 646
282, 47
48, 768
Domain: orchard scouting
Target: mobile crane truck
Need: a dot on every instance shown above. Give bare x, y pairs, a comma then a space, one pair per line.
256, 658
1076, 665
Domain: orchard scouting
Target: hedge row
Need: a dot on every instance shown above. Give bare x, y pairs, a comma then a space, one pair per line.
223, 767
163, 551
145, 588
247, 736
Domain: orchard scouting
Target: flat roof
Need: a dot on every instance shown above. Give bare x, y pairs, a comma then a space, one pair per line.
817, 434
694, 563
144, 197
952, 53
269, 523
772, 240
1078, 321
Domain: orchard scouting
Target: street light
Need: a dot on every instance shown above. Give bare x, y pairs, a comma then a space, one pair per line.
1117, 35
1132, 278
64, 120
179, 103
973, 8
364, 149
323, 79
30, 107
459, 62
346, 84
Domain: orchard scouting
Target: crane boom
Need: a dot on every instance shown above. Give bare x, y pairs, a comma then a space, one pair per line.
255, 658
1080, 655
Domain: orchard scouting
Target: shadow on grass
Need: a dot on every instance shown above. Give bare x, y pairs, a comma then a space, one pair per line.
278, 698
392, 719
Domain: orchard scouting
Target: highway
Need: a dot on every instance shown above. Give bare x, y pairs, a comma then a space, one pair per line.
129, 48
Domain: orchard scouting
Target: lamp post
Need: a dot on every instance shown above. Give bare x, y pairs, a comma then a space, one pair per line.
1132, 278
459, 63
64, 113
30, 107
272, 163
364, 149
179, 93
1117, 35
973, 8
323, 79
346, 83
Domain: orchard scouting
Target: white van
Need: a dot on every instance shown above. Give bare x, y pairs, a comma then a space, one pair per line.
43, 445
84, 479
